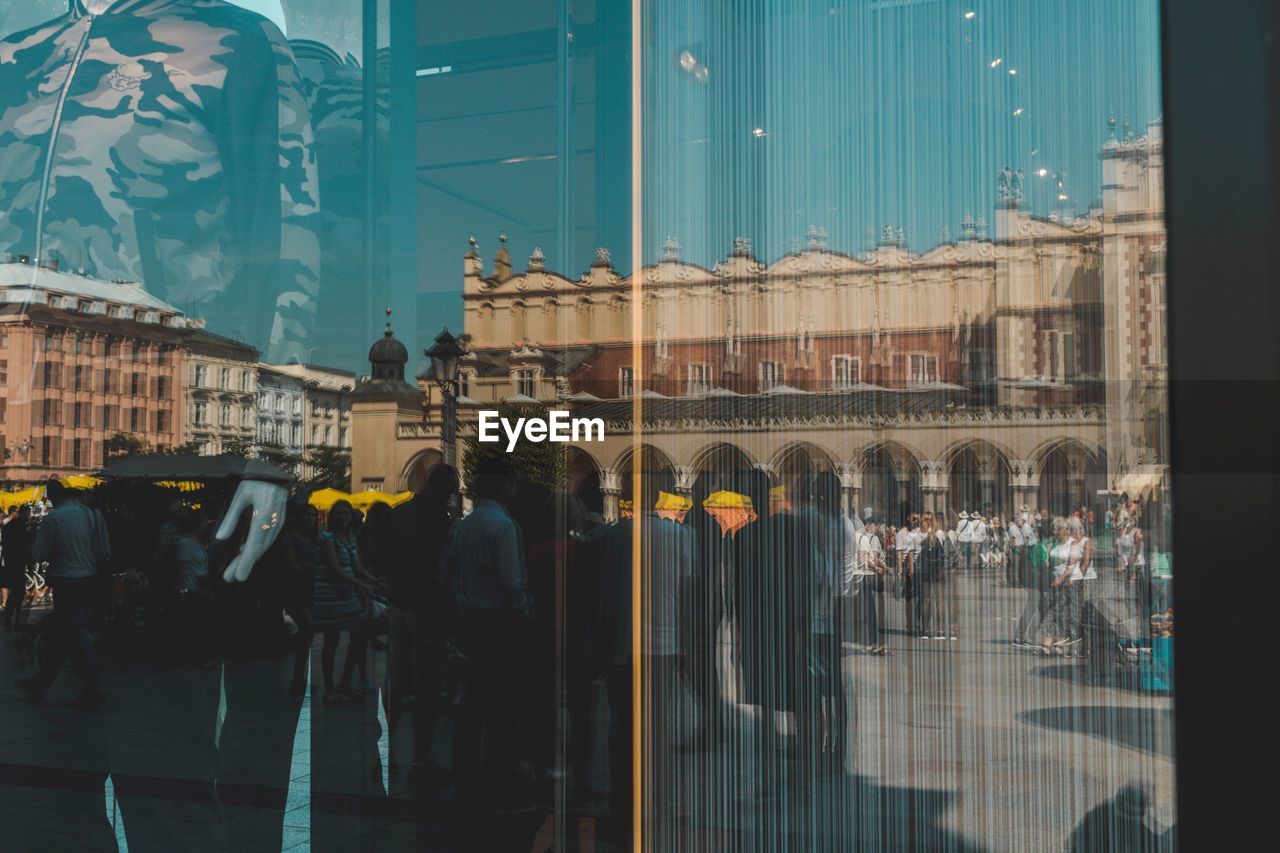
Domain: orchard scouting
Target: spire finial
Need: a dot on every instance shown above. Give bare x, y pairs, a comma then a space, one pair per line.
387, 332
502, 237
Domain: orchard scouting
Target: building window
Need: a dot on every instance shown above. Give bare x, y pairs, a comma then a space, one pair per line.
78, 415
162, 421
464, 386
108, 381
49, 413
4, 372
922, 369
224, 415
315, 434
342, 437
135, 352
699, 379
137, 419
771, 375
137, 385
328, 435
224, 378
108, 417
51, 375
78, 378
846, 371
246, 417
48, 451
78, 457
200, 414
626, 382
244, 381
50, 341
527, 382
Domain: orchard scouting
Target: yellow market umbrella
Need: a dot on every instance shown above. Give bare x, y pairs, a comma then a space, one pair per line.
778, 501
363, 500
81, 481
181, 485
731, 511
30, 494
324, 499
673, 507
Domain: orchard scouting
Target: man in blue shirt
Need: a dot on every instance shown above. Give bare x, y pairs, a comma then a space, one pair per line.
72, 539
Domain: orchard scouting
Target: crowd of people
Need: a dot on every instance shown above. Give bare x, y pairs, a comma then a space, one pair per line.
508, 620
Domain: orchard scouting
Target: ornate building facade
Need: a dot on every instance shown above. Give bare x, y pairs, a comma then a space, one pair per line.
82, 360
1025, 366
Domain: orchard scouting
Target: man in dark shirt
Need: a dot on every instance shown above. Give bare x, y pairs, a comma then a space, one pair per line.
73, 541
419, 628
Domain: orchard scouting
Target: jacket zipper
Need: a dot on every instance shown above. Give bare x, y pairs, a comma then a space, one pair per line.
53, 136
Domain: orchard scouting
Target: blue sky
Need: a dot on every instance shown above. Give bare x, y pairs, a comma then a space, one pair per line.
845, 114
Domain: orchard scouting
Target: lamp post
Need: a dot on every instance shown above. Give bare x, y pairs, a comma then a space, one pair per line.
444, 355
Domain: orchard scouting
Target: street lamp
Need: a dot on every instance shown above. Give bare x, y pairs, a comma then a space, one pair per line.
444, 355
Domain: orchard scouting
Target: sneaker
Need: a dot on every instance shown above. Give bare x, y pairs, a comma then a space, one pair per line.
953, 638
939, 637
923, 637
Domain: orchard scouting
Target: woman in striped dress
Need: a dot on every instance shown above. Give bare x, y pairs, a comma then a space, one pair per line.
339, 601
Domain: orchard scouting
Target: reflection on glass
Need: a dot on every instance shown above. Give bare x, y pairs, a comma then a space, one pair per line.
873, 555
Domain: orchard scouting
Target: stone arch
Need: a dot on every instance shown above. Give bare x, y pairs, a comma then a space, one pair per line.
582, 478
891, 480
978, 478
414, 475
795, 463
1069, 474
653, 460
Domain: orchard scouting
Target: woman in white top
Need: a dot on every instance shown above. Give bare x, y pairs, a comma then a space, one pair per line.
1060, 561
1077, 586
867, 566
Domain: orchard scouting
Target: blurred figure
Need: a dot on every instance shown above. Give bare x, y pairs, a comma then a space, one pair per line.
484, 568
16, 552
1120, 824
340, 591
420, 622
300, 550
933, 574
72, 539
824, 588
668, 549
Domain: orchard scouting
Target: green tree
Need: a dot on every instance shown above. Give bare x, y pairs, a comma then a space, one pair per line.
190, 448
123, 445
330, 468
236, 447
538, 462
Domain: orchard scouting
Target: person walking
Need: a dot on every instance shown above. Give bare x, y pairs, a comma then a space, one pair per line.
932, 571
485, 575
73, 540
1079, 587
1036, 577
1017, 550
340, 591
300, 549
964, 537
16, 553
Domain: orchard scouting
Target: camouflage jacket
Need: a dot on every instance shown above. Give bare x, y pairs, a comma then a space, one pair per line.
167, 142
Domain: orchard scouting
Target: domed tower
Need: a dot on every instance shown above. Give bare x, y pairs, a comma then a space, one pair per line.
388, 356
380, 405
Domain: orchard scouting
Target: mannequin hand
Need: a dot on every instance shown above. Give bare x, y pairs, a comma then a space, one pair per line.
265, 501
